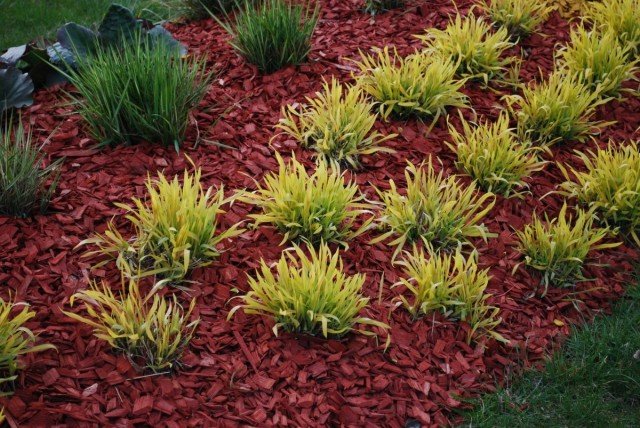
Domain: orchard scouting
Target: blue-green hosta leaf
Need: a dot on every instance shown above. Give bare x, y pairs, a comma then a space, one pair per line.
16, 89
118, 24
77, 38
159, 35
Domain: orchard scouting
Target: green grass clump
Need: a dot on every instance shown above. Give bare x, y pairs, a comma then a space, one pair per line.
559, 109
274, 33
610, 185
23, 180
202, 8
519, 17
621, 17
591, 382
558, 248
140, 92
491, 154
312, 208
599, 60
419, 85
453, 285
472, 45
437, 210
310, 294
337, 124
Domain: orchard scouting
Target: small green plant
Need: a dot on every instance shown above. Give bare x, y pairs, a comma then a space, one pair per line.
599, 60
378, 6
313, 208
23, 180
622, 17
419, 85
140, 92
491, 154
471, 45
272, 34
337, 124
558, 248
309, 294
202, 8
557, 110
151, 331
451, 284
437, 210
610, 185
176, 231
15, 340
519, 17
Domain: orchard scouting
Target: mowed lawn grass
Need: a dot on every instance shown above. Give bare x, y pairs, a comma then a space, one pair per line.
25, 20
594, 381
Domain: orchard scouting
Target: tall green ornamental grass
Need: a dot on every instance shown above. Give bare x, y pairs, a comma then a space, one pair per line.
22, 178
140, 92
273, 34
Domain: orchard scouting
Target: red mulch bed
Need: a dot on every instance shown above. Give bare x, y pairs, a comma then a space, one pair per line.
238, 373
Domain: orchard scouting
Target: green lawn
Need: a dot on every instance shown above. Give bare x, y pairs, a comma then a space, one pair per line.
593, 382
24, 20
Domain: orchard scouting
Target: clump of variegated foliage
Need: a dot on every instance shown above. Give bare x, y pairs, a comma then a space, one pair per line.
437, 210
378, 6
472, 45
452, 284
151, 331
559, 109
558, 248
599, 60
621, 17
491, 154
309, 293
519, 17
15, 340
313, 208
418, 85
610, 185
337, 123
174, 231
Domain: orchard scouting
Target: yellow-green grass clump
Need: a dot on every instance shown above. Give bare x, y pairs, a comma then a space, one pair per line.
472, 45
558, 248
175, 231
519, 17
491, 154
337, 123
610, 185
452, 284
151, 331
418, 85
622, 17
436, 210
599, 60
309, 293
313, 208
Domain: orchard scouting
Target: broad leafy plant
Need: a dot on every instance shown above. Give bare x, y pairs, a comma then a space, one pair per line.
313, 208
16, 89
558, 248
337, 123
419, 85
309, 293
439, 211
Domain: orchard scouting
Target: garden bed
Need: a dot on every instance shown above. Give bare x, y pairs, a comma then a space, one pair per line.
236, 372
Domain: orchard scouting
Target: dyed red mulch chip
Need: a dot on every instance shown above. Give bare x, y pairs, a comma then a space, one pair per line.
238, 373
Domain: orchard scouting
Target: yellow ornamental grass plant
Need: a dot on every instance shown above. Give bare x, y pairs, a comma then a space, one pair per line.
558, 248
337, 124
559, 109
610, 185
519, 17
175, 230
491, 154
309, 293
152, 331
472, 45
15, 340
599, 60
451, 284
437, 210
418, 85
622, 17
310, 208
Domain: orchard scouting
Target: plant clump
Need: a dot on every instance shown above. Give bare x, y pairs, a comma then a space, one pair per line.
519, 17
